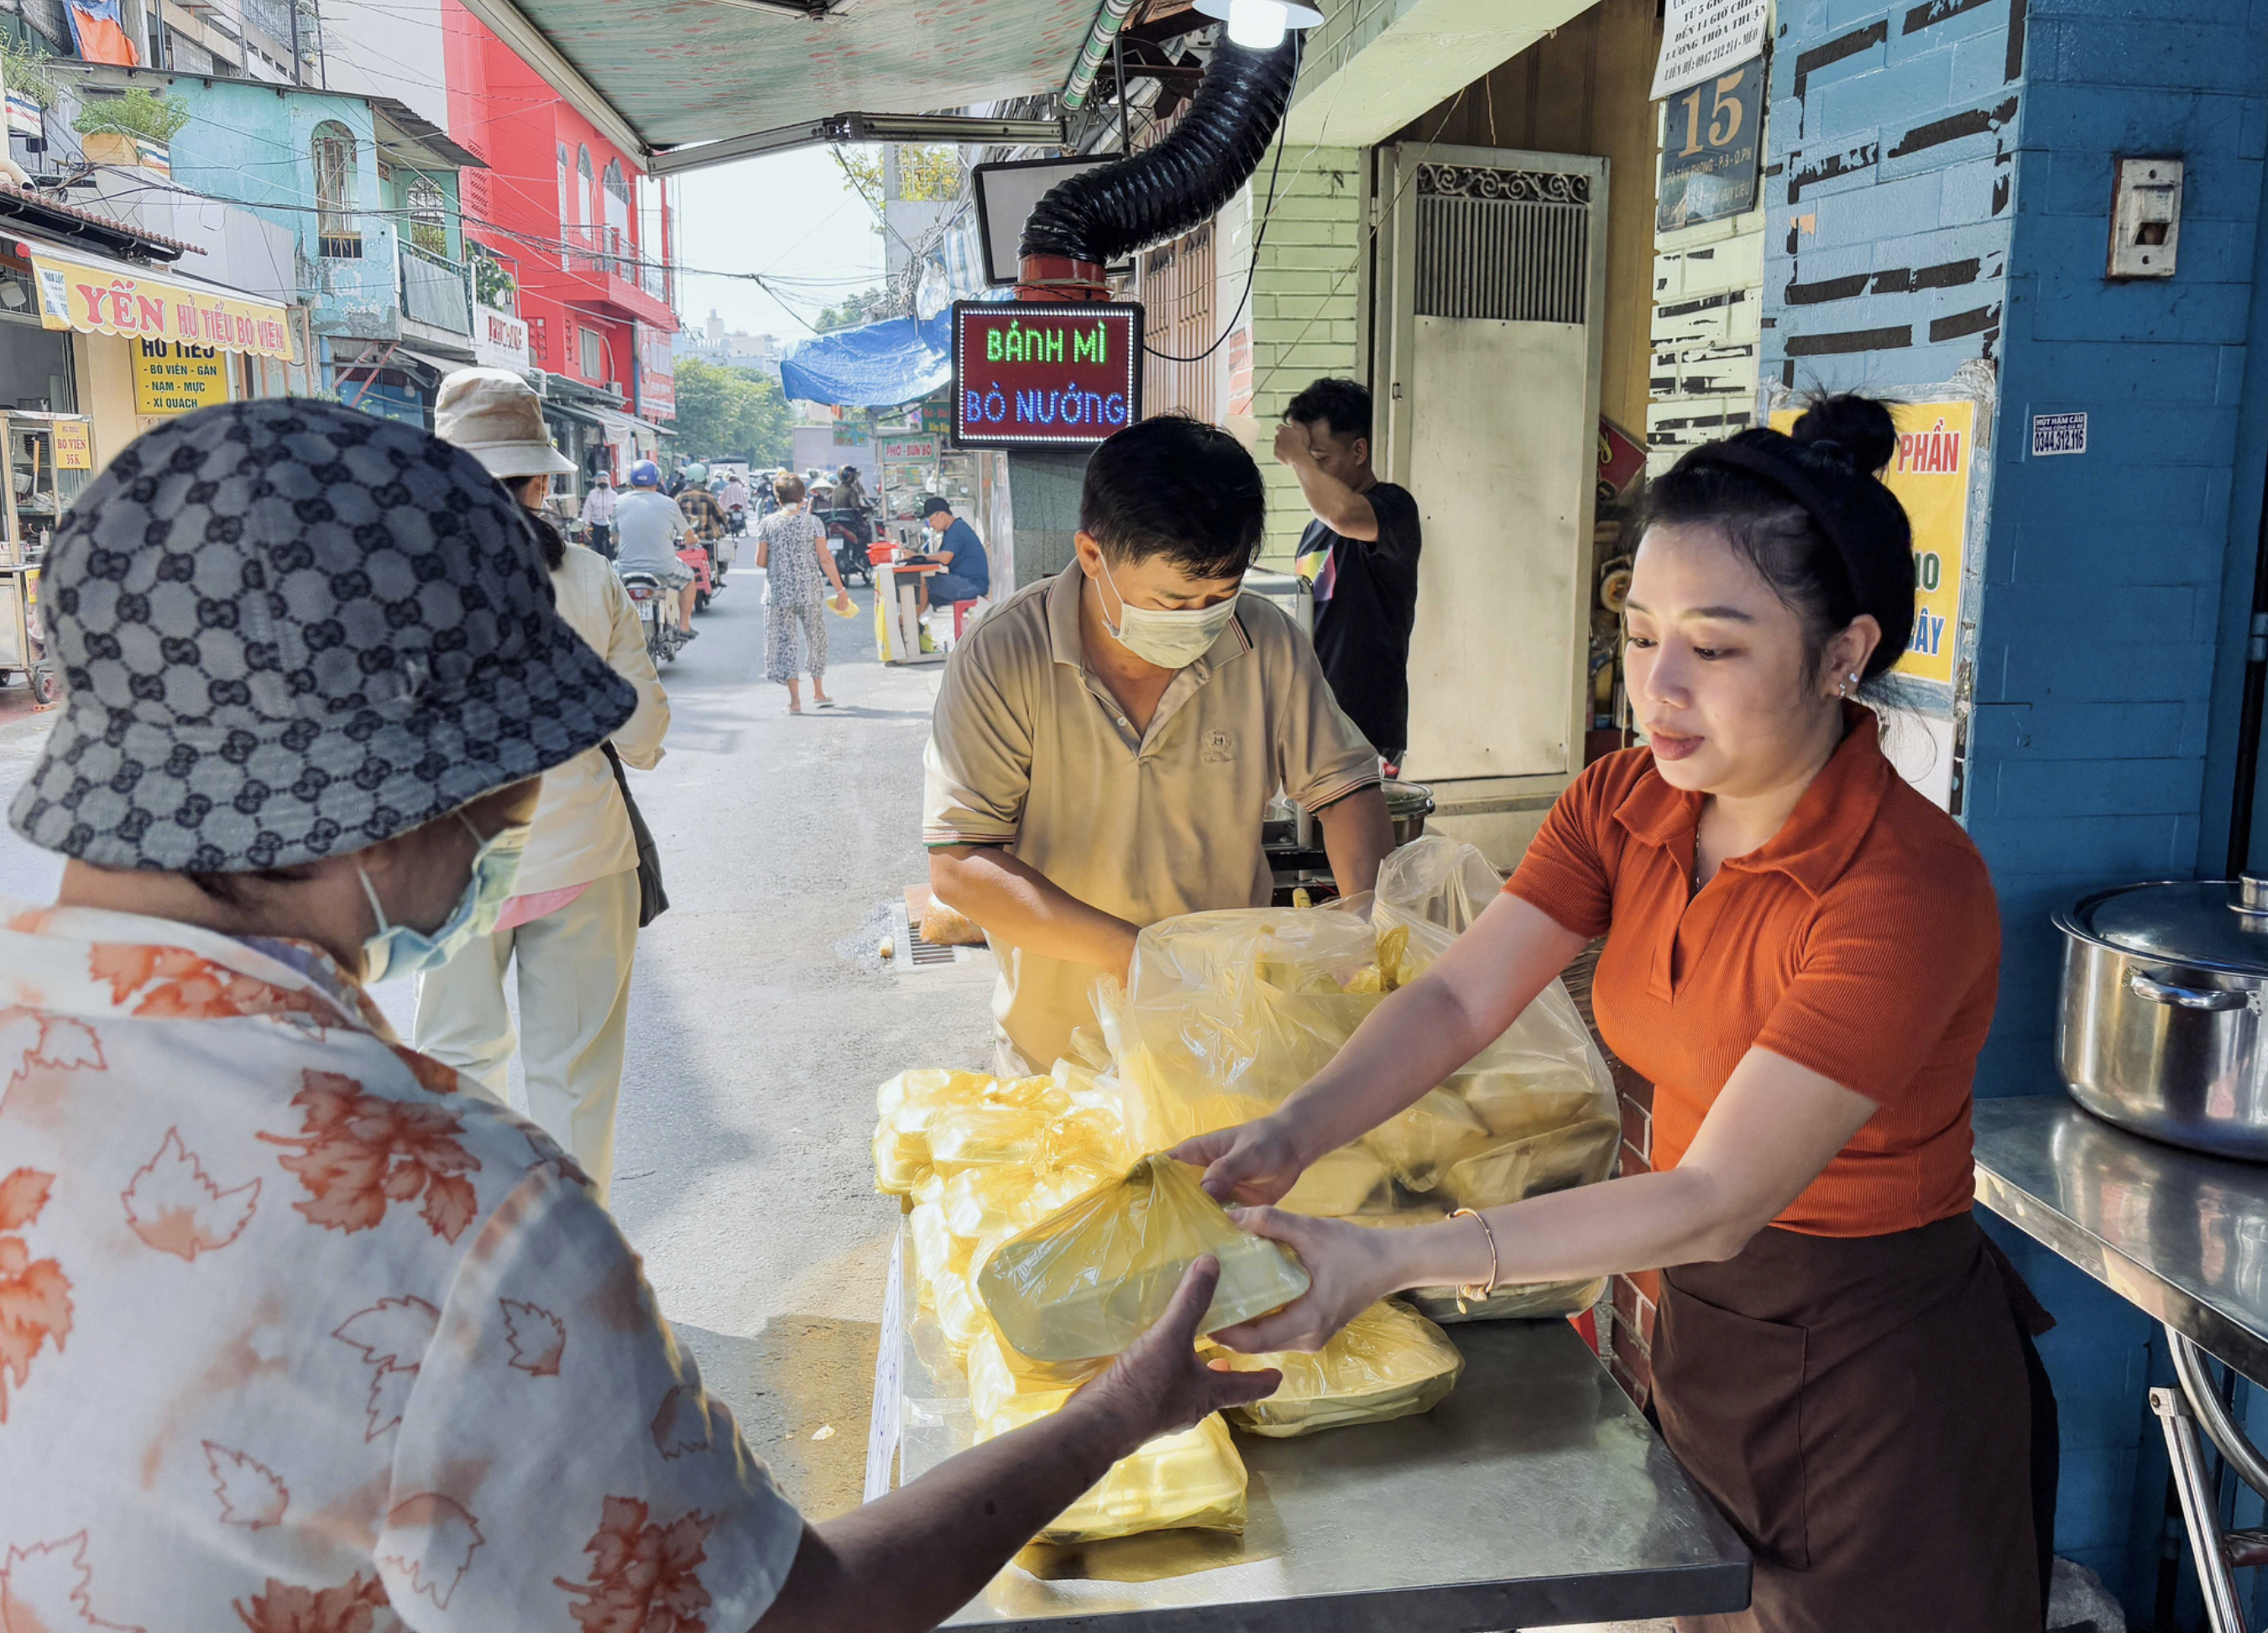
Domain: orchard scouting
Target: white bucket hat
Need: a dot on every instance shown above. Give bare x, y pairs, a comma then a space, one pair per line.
496, 417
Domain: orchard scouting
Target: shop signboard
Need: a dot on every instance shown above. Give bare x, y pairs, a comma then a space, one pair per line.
111, 297
171, 378
1041, 374
1930, 473
1711, 149
74, 445
500, 340
1704, 39
909, 450
936, 418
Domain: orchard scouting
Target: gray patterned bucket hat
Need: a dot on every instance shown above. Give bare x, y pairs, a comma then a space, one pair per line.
288, 629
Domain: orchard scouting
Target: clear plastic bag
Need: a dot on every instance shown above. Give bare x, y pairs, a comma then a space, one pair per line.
1228, 1012
1089, 1279
1388, 1362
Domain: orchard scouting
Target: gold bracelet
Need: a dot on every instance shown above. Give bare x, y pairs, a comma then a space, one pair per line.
1474, 1291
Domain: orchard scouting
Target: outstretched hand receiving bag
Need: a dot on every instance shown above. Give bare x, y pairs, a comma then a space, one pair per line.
1092, 1277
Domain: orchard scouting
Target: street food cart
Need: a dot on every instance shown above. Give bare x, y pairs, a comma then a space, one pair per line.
1534, 1495
50, 462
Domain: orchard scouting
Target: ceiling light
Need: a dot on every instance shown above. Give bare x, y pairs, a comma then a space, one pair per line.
1260, 25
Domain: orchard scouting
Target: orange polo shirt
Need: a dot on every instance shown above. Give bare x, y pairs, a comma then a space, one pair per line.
1862, 941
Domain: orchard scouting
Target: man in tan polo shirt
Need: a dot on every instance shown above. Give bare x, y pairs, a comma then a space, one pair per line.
1106, 741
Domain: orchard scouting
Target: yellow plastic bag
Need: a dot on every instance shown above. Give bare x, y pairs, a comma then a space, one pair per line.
1193, 1480
1340, 1182
1388, 1362
1553, 1159
999, 1375
958, 1314
937, 1252
932, 1117
1092, 1277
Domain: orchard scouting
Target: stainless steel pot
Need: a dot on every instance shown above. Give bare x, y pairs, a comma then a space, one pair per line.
2160, 1029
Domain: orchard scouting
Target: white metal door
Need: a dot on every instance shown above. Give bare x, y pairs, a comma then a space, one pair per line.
1488, 316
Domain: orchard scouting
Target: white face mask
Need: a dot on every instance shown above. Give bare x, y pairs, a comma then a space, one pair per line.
1171, 640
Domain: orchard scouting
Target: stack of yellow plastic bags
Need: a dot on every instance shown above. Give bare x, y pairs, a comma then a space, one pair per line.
1228, 1012
1034, 1293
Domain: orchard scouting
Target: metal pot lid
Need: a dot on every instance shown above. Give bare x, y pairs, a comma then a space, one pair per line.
2204, 923
1403, 800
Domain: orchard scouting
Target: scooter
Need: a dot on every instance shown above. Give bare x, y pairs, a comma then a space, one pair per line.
701, 563
655, 603
848, 532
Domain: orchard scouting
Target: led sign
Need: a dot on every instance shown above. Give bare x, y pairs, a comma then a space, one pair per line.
1040, 374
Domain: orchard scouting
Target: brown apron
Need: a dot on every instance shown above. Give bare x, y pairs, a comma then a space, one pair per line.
1861, 1411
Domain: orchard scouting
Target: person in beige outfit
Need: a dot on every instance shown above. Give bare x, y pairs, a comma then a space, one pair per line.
572, 923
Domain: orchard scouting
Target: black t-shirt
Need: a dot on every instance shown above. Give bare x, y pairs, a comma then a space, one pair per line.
1362, 633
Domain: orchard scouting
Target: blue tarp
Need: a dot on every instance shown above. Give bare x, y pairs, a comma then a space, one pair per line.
878, 366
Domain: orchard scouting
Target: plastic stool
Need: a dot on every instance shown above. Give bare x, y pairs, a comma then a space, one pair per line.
960, 616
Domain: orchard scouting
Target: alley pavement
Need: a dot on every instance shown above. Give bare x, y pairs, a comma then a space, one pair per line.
763, 1019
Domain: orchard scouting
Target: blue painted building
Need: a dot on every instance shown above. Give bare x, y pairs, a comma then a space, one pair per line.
368, 191
1941, 179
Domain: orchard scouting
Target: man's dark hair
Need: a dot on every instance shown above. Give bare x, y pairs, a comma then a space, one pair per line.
1343, 405
1177, 487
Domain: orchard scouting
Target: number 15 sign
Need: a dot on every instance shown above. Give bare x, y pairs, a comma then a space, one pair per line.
1711, 147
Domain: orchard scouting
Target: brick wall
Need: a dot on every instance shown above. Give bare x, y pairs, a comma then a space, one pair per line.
1943, 203
1629, 1335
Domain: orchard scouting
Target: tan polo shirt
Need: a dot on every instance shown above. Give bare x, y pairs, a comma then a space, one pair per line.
1028, 749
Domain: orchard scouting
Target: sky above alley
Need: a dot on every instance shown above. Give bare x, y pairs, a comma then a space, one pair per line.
788, 216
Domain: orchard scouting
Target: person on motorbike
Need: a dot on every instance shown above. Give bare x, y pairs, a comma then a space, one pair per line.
704, 515
735, 497
851, 491
648, 526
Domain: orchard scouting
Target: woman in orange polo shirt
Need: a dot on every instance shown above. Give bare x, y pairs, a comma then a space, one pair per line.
1803, 955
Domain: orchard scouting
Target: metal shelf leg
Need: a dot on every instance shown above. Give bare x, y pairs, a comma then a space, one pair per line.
2200, 1511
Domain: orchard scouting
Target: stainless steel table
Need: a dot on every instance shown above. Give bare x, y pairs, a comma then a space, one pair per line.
2178, 1234
2181, 1235
1534, 1496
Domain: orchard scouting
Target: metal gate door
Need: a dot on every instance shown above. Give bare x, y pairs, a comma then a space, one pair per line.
1487, 323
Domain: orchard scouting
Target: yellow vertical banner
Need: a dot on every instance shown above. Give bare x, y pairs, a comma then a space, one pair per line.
1930, 475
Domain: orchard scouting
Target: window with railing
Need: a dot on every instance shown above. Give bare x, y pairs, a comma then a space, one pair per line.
338, 233
428, 215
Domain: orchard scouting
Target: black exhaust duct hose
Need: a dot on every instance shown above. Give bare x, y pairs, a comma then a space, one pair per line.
1107, 213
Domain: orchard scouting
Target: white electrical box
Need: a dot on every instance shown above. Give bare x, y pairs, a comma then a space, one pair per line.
2145, 218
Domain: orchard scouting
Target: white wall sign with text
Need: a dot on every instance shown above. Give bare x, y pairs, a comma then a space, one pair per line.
1700, 38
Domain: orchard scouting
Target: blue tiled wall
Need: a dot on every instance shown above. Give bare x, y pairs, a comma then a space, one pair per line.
1942, 202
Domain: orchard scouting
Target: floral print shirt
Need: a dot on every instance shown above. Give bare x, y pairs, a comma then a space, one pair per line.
298, 1338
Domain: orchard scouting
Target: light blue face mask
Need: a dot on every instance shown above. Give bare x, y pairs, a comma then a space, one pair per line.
398, 950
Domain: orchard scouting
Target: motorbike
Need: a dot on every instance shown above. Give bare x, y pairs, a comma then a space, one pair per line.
848, 532
655, 603
699, 560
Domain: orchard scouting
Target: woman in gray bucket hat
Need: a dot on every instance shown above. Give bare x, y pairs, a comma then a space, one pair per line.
294, 1332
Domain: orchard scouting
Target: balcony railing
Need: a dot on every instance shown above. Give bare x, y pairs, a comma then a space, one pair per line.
613, 253
436, 291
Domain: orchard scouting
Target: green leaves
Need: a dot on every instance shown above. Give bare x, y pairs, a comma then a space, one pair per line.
728, 413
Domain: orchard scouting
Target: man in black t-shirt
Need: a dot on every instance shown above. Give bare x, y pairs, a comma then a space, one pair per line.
1361, 553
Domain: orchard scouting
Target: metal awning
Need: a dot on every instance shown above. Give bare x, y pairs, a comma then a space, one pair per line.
663, 78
